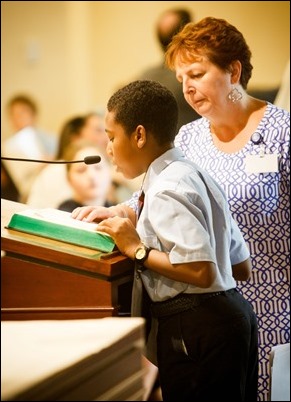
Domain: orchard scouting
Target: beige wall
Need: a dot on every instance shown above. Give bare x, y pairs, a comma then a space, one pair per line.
71, 55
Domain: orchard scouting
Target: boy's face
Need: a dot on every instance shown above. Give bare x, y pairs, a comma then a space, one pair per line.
122, 148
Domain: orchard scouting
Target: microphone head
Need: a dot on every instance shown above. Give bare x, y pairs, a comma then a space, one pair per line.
90, 160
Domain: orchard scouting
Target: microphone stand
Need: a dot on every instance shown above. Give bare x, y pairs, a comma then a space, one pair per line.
88, 160
37, 160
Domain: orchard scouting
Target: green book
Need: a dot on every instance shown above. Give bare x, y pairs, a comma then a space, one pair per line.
59, 225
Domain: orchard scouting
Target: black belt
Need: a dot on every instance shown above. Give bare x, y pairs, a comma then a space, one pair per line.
182, 302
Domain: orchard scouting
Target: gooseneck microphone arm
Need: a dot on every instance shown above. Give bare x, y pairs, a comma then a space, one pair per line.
88, 160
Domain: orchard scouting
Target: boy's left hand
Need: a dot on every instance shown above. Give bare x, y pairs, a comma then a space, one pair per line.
123, 233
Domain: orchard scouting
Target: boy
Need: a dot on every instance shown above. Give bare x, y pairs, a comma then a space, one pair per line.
188, 253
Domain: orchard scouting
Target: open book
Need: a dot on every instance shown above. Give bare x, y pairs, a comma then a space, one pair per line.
59, 225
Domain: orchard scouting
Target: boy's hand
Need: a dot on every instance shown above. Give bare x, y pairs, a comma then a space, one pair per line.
92, 214
98, 213
123, 233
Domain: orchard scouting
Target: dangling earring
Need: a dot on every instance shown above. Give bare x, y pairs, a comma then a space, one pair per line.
235, 95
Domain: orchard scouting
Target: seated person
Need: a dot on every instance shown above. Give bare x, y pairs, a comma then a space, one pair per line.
170, 22
23, 112
27, 141
90, 184
94, 130
50, 187
8, 189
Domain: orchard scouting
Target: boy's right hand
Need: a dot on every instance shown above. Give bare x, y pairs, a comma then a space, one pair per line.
98, 213
93, 213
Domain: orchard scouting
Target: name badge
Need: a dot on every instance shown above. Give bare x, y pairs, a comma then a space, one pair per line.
262, 163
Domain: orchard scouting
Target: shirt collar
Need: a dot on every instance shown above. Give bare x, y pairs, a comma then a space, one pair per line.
160, 164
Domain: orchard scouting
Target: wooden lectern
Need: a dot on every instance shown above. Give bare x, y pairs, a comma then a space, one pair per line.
48, 279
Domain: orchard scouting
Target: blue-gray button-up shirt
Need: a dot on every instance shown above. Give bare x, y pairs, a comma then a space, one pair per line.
186, 215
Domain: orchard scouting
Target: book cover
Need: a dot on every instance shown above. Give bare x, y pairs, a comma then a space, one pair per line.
59, 225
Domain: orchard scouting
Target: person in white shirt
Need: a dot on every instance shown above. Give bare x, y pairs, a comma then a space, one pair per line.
27, 141
188, 254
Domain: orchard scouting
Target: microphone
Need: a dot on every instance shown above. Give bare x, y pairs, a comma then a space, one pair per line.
88, 160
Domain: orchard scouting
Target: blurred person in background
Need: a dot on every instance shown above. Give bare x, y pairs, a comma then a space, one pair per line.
90, 184
23, 112
51, 187
91, 129
8, 189
27, 141
169, 23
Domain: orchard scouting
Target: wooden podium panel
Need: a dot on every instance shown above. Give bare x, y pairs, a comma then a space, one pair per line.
48, 279
72, 360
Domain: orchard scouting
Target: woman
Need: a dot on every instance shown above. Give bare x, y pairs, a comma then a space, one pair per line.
46, 191
90, 184
51, 187
243, 143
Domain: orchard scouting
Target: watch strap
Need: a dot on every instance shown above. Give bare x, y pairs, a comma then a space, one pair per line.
139, 263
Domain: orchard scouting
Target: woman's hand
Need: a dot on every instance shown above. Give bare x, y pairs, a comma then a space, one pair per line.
123, 233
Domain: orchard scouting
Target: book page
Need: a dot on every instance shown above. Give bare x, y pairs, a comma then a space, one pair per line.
60, 217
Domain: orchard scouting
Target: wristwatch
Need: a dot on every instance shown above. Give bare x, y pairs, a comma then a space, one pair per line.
141, 254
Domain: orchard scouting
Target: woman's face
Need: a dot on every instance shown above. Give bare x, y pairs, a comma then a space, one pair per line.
205, 86
94, 131
90, 183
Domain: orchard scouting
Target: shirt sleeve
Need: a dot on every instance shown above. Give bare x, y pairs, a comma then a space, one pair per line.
181, 228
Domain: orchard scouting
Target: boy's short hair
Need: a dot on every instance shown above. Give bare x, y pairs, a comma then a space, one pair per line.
146, 103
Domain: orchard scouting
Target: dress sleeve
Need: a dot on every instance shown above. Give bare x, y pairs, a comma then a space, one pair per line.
133, 201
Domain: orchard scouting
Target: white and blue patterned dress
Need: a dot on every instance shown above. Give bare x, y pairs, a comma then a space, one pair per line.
260, 205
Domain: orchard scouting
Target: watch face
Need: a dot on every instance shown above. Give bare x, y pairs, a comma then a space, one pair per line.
140, 253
